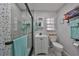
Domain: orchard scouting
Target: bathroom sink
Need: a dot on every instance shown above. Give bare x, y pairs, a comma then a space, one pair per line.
40, 35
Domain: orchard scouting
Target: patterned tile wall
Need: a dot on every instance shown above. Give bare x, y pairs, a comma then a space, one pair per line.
5, 28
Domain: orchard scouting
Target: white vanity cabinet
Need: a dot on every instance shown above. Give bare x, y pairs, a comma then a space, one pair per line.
41, 44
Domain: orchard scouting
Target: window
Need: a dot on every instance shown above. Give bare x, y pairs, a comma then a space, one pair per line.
50, 24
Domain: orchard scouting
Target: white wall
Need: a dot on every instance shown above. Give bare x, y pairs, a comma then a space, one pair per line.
45, 14
63, 30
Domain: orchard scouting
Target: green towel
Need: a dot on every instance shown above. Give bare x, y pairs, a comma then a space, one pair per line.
74, 22
20, 46
74, 28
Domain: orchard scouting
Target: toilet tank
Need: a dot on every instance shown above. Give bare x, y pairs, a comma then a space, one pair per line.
53, 37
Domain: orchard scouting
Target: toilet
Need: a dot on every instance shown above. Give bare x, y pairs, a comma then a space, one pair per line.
57, 47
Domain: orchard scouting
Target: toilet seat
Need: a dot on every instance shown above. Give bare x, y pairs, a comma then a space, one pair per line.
57, 45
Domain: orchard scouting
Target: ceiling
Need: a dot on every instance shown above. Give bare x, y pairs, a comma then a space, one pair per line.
21, 6
45, 6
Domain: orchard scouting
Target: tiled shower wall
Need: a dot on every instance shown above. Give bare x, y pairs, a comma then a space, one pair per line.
10, 16
5, 28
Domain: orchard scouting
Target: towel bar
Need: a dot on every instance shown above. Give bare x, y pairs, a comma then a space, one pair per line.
9, 42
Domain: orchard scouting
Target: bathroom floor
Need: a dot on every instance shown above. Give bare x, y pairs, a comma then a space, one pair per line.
50, 53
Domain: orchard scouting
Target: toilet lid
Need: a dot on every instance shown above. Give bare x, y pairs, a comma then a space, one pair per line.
57, 45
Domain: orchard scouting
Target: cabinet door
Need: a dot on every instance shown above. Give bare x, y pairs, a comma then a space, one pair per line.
44, 45
37, 45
